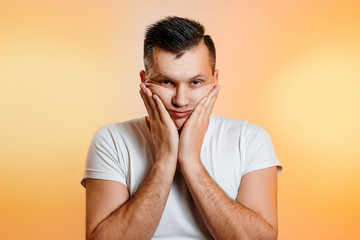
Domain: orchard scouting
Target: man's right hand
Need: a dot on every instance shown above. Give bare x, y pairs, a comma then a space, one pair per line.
116, 215
163, 129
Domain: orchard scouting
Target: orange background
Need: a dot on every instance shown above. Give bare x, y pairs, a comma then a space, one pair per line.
69, 67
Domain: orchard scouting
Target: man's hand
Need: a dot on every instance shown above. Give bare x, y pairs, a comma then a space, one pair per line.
163, 129
193, 132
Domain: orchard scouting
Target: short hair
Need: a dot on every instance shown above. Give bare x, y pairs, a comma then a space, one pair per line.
176, 35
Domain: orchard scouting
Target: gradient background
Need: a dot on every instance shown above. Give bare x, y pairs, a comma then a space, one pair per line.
68, 68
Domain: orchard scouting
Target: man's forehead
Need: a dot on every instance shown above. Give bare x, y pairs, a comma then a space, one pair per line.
193, 63
160, 54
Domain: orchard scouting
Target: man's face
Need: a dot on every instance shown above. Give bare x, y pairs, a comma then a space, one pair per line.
180, 82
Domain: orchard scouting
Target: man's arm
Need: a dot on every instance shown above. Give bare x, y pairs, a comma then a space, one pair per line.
134, 218
252, 216
110, 213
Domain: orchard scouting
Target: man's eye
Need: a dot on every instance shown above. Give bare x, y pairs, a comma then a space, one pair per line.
166, 82
195, 82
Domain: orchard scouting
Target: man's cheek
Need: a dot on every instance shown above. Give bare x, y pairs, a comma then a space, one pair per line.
209, 88
200, 94
155, 90
158, 90
152, 88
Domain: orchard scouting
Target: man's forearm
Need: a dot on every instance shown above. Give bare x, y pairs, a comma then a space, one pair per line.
139, 217
225, 218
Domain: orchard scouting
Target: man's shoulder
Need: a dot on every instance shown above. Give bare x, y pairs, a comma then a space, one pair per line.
235, 125
225, 122
129, 127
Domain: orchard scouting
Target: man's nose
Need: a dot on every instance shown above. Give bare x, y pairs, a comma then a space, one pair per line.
181, 97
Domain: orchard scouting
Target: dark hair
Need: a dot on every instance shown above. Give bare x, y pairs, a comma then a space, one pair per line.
176, 35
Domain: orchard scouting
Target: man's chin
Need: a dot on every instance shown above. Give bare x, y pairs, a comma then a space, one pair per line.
179, 123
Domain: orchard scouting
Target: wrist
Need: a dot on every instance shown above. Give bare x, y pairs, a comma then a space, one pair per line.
190, 164
166, 152
165, 160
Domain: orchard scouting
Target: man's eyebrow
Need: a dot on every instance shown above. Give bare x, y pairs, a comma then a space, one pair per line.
200, 75
159, 75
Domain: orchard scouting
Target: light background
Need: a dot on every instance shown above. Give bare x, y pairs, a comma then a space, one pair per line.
68, 68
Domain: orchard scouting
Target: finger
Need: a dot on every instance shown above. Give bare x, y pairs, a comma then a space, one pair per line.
201, 111
196, 114
212, 96
147, 104
207, 106
214, 91
151, 107
210, 105
149, 96
164, 115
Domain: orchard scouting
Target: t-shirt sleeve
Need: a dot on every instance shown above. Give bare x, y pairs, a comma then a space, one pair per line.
103, 160
259, 150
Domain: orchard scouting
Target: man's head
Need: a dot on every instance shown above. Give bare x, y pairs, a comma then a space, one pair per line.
176, 35
180, 65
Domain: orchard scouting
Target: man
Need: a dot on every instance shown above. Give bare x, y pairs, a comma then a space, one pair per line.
181, 173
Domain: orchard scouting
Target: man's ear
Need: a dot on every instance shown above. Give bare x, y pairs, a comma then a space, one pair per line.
216, 76
143, 76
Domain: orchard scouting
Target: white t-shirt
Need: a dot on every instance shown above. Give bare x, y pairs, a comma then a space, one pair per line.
124, 152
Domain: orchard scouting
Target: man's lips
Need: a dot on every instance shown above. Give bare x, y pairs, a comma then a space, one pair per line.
179, 114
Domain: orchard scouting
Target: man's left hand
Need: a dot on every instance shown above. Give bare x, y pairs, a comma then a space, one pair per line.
194, 129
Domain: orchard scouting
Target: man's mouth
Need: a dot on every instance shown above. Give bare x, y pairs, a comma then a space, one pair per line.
179, 114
